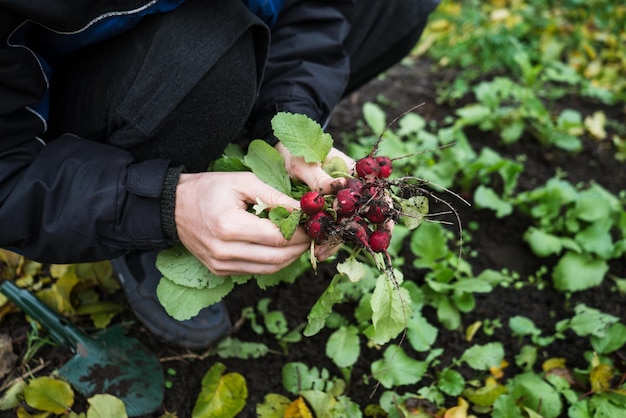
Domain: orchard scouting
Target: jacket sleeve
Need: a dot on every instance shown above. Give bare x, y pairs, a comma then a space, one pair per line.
307, 68
70, 199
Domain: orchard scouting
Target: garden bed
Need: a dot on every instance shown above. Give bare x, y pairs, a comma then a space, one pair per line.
497, 243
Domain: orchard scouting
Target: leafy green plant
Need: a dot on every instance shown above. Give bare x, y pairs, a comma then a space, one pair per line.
582, 225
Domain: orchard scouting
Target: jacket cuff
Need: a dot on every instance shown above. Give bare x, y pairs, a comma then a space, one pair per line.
168, 204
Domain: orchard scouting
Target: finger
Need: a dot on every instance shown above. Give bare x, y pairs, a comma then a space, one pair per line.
251, 189
248, 227
246, 258
325, 251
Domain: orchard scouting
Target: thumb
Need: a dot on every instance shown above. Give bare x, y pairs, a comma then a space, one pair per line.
317, 179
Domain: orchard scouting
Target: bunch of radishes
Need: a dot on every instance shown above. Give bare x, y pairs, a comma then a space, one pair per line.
362, 213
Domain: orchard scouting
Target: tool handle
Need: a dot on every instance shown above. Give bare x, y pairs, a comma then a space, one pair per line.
61, 330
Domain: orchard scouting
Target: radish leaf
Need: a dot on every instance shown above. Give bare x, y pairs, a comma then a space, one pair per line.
302, 136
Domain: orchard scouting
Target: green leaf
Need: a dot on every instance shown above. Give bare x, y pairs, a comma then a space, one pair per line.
324, 405
428, 244
473, 114
302, 136
614, 339
335, 167
486, 197
527, 357
505, 406
50, 395
595, 203
420, 333
182, 302
522, 326
513, 131
390, 309
603, 405
397, 368
451, 382
323, 307
221, 395
229, 164
590, 321
414, 210
234, 348
184, 269
273, 406
542, 243
286, 220
275, 322
575, 272
596, 238
536, 394
482, 357
106, 406
375, 117
288, 274
472, 285
343, 346
297, 377
268, 165
354, 269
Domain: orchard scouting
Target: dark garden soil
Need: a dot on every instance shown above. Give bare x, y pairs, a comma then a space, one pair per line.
498, 244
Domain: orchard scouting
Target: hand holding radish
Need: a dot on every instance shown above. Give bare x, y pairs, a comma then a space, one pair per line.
317, 179
312, 173
213, 224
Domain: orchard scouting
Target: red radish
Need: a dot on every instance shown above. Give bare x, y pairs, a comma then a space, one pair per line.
312, 202
367, 167
379, 241
385, 166
355, 184
346, 201
318, 224
377, 213
357, 233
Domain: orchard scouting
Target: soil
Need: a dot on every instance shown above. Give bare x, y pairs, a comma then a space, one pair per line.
497, 242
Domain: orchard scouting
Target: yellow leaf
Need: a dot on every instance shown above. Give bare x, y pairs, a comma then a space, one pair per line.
498, 371
600, 377
22, 413
48, 394
596, 124
298, 409
459, 411
472, 329
553, 363
486, 395
11, 397
222, 396
58, 270
106, 406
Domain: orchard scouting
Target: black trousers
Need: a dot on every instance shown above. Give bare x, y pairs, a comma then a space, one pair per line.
156, 92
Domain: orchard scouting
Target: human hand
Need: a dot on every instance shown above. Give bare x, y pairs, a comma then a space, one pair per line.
316, 178
213, 223
312, 174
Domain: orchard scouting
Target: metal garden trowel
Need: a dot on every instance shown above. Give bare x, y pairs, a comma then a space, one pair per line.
107, 362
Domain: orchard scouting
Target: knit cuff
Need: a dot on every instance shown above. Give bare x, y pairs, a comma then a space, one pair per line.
168, 203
